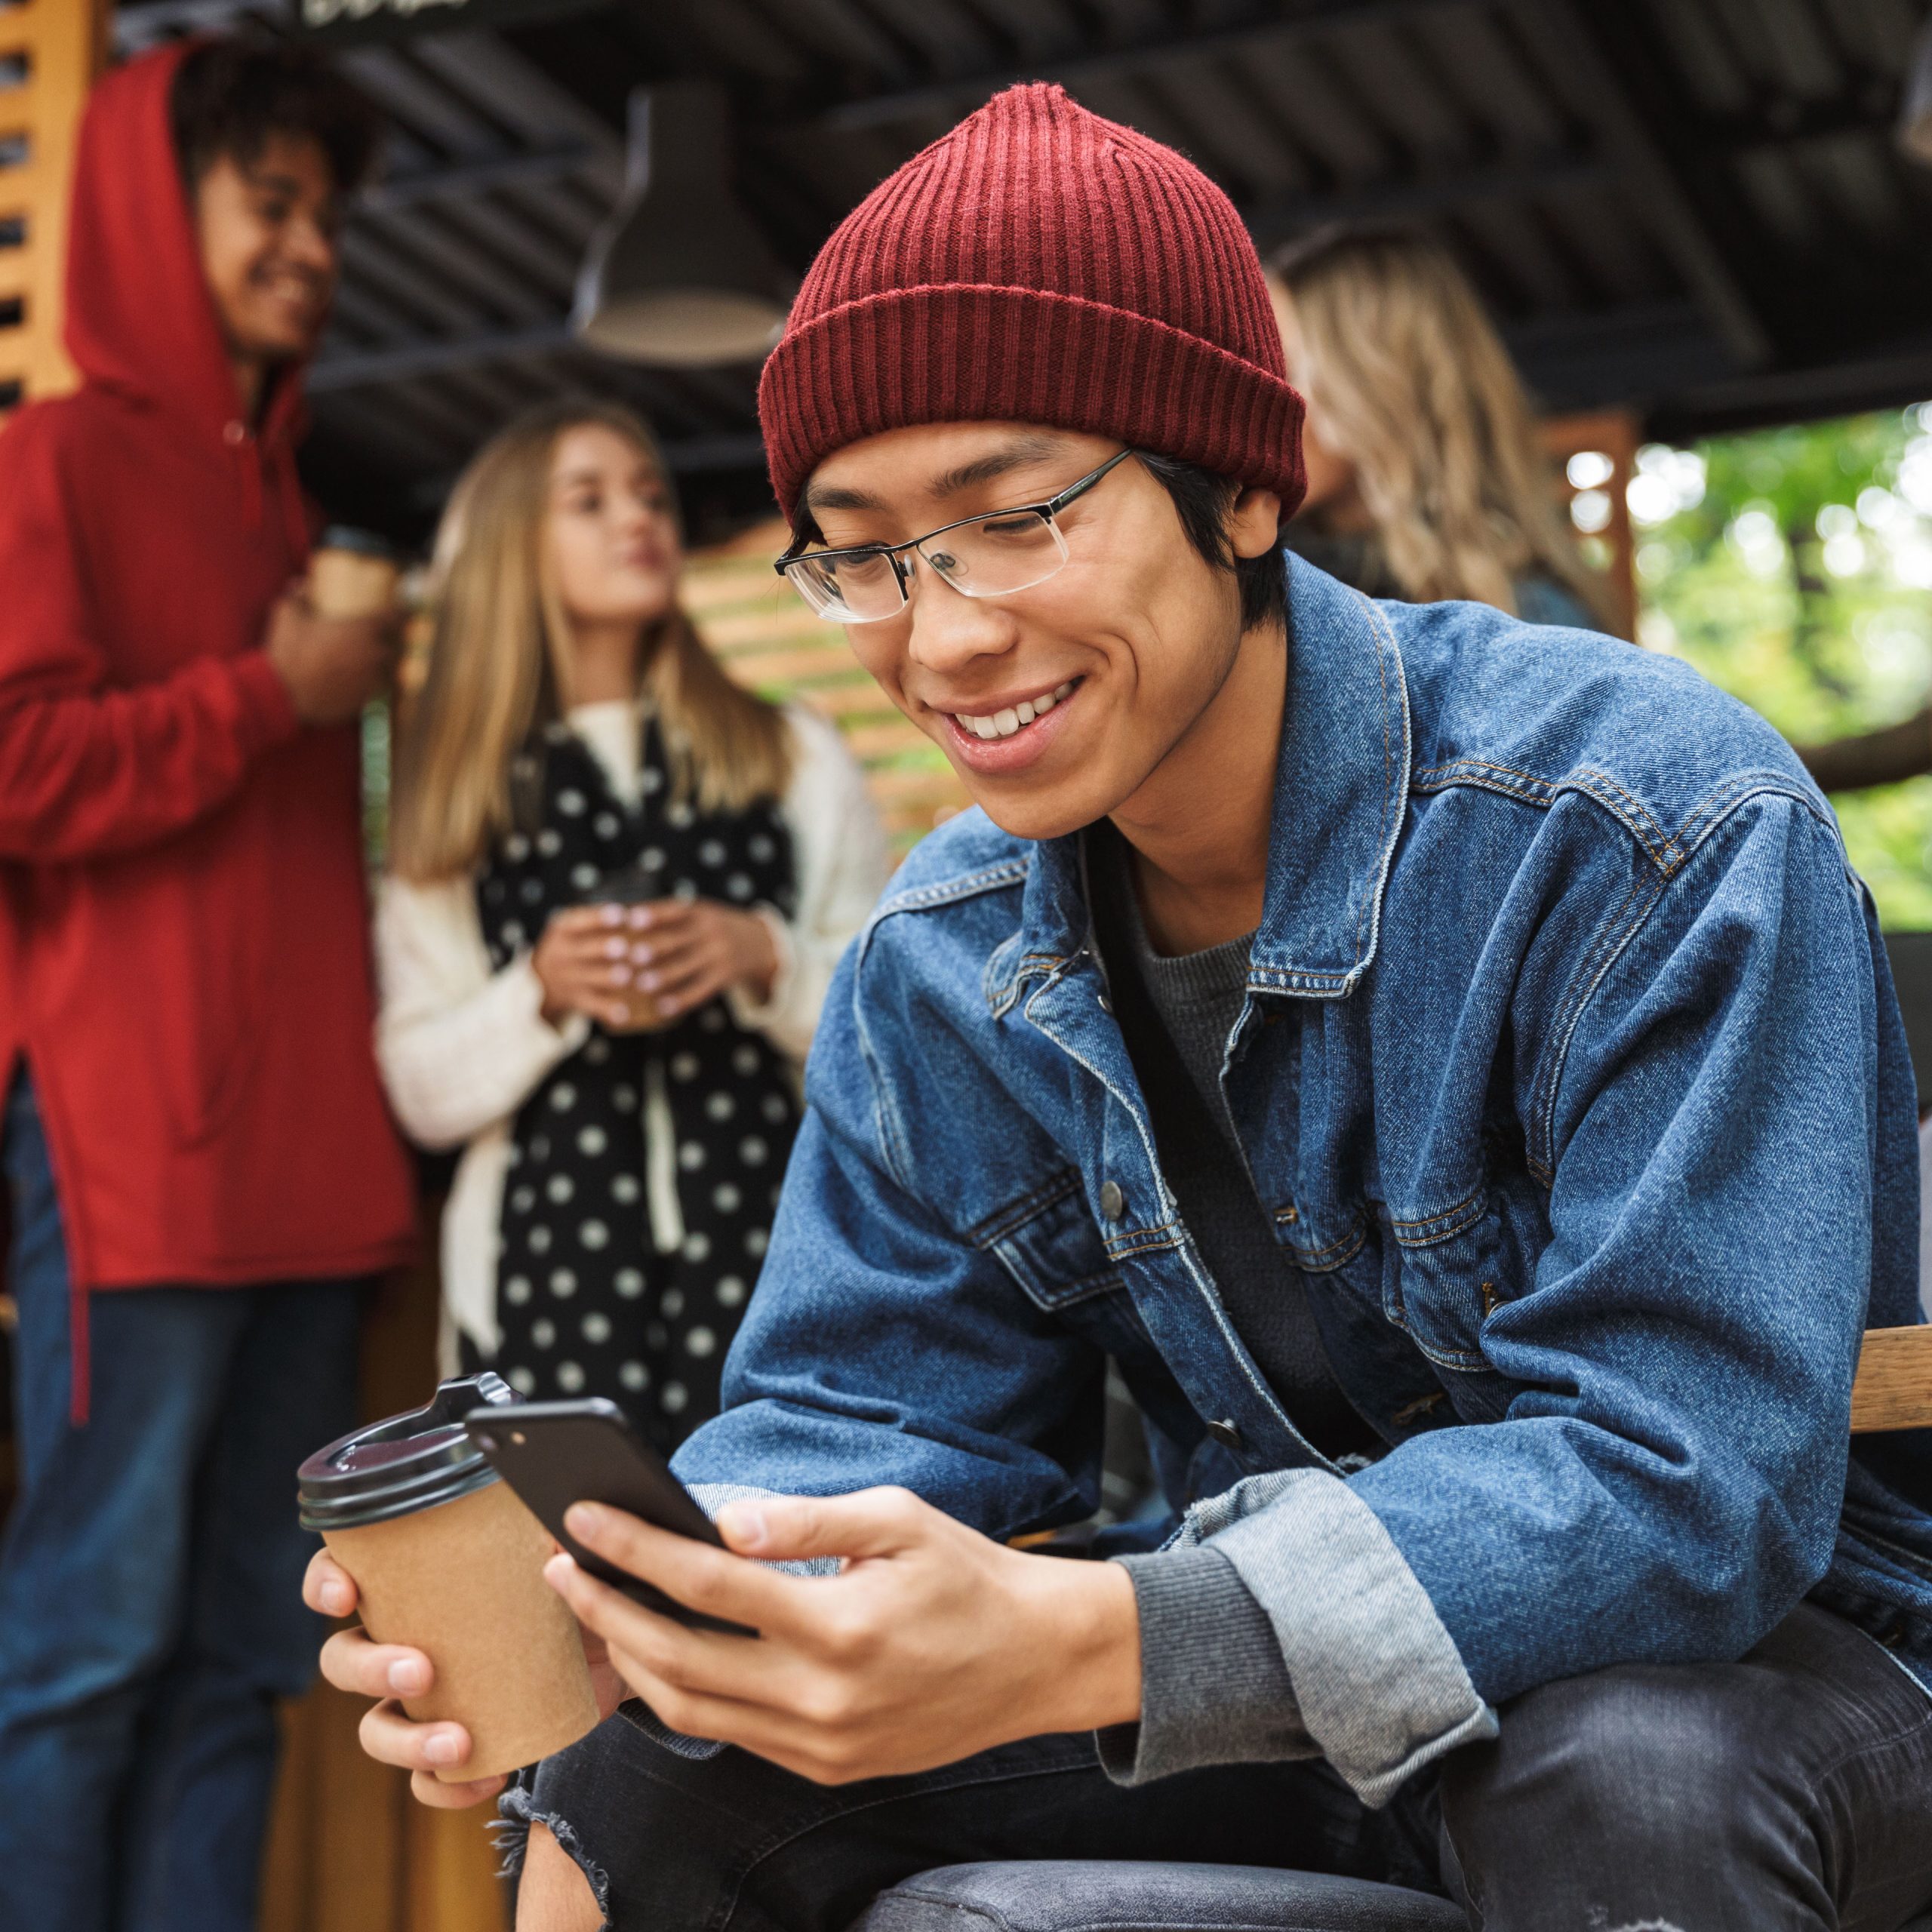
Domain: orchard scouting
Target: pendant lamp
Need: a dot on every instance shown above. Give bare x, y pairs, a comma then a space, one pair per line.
679, 274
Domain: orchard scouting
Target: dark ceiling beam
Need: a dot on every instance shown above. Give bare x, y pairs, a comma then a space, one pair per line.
460, 179
136, 29
1320, 18
1275, 220
1564, 45
360, 368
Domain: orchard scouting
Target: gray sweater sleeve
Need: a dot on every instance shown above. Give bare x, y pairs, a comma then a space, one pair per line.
1307, 1633
1214, 1689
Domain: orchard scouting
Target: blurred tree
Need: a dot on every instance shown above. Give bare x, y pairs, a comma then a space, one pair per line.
1793, 567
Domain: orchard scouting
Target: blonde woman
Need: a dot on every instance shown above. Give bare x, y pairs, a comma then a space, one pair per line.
1426, 478
618, 886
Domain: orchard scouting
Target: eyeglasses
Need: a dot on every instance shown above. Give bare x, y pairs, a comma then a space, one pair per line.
981, 556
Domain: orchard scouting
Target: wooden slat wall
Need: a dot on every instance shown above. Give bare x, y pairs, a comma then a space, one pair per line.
50, 52
768, 640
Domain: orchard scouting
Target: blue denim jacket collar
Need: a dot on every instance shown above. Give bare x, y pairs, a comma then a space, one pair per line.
1341, 788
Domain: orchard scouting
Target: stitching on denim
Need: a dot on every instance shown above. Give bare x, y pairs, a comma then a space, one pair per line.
1016, 1213
1610, 944
1589, 776
1324, 1260
944, 892
1429, 1229
1397, 1316
1440, 777
1725, 799
1393, 781
1144, 1241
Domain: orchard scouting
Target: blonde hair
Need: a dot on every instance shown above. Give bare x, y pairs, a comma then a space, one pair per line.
500, 665
1413, 385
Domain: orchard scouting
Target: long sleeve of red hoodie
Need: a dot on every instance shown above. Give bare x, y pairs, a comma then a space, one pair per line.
189, 960
88, 766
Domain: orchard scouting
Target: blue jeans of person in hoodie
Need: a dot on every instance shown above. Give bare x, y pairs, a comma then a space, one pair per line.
151, 1617
1571, 1079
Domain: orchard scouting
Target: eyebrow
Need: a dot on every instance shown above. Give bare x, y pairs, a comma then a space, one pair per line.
987, 469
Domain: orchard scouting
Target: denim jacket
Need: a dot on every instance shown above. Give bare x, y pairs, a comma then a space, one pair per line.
1571, 1075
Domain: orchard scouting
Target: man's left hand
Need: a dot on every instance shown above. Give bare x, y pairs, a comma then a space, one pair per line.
932, 1643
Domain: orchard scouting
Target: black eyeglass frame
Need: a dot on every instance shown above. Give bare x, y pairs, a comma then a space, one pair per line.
893, 553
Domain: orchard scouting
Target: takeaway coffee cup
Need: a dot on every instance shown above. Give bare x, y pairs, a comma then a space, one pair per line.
632, 886
447, 1561
351, 574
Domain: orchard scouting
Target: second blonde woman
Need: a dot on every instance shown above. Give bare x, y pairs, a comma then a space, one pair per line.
1426, 478
618, 885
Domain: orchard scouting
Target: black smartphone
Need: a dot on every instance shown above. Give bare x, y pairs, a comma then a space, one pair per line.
555, 1453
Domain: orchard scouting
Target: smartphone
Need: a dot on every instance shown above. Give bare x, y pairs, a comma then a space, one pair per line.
555, 1453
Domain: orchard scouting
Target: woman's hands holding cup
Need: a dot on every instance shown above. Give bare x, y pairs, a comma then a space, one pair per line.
685, 952
353, 1661
583, 963
632, 967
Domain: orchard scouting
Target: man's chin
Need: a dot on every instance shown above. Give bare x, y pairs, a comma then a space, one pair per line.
1052, 814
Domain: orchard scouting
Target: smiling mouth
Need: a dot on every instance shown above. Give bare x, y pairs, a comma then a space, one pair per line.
1004, 723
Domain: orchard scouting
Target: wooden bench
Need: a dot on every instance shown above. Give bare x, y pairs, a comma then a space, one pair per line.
1894, 1386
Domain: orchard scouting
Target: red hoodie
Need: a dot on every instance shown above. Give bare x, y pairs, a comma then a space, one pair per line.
190, 962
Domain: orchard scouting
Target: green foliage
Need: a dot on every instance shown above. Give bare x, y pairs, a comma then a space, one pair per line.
1793, 567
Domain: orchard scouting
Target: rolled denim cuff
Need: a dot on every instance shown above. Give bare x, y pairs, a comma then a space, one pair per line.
1378, 1681
1213, 1690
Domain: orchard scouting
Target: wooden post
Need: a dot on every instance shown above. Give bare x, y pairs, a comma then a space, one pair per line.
1615, 433
49, 53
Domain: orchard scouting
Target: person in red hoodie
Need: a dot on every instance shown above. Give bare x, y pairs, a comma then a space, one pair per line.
202, 1173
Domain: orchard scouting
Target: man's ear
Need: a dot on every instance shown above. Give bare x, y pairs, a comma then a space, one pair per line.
1254, 523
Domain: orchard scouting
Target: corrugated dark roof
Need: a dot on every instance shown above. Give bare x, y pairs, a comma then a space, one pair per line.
1694, 206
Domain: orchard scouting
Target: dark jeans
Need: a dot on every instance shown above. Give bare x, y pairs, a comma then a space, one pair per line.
1791, 1790
150, 1608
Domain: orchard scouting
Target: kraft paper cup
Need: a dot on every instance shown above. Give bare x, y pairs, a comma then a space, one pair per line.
352, 574
447, 1561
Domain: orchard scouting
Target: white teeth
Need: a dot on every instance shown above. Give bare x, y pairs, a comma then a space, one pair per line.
1003, 723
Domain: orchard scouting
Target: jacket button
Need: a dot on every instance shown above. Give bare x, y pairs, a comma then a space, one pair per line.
1226, 1434
1113, 1200
235, 432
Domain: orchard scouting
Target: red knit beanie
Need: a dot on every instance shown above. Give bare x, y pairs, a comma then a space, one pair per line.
1039, 265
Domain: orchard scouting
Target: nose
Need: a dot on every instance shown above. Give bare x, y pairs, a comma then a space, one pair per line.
950, 629
314, 247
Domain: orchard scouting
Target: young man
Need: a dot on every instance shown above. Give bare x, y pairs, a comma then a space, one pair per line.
200, 1166
1448, 1064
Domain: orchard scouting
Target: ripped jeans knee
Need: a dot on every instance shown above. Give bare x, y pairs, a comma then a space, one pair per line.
520, 1807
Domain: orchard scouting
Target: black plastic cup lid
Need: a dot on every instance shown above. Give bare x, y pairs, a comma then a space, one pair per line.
411, 1462
364, 542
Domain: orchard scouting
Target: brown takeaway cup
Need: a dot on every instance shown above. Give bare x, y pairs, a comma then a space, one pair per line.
352, 574
448, 1561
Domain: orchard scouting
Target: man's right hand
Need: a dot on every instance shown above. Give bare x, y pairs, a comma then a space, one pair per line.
332, 667
354, 1662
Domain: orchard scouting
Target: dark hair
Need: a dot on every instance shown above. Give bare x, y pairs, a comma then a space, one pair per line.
1202, 500
231, 97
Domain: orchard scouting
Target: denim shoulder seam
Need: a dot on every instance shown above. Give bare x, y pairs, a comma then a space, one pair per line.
1617, 932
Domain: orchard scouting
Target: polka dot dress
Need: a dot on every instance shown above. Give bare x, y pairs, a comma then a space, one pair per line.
596, 1295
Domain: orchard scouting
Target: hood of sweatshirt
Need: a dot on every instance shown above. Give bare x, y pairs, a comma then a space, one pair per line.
140, 320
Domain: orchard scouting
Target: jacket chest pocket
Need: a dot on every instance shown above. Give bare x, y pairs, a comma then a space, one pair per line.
1047, 1241
1443, 1277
